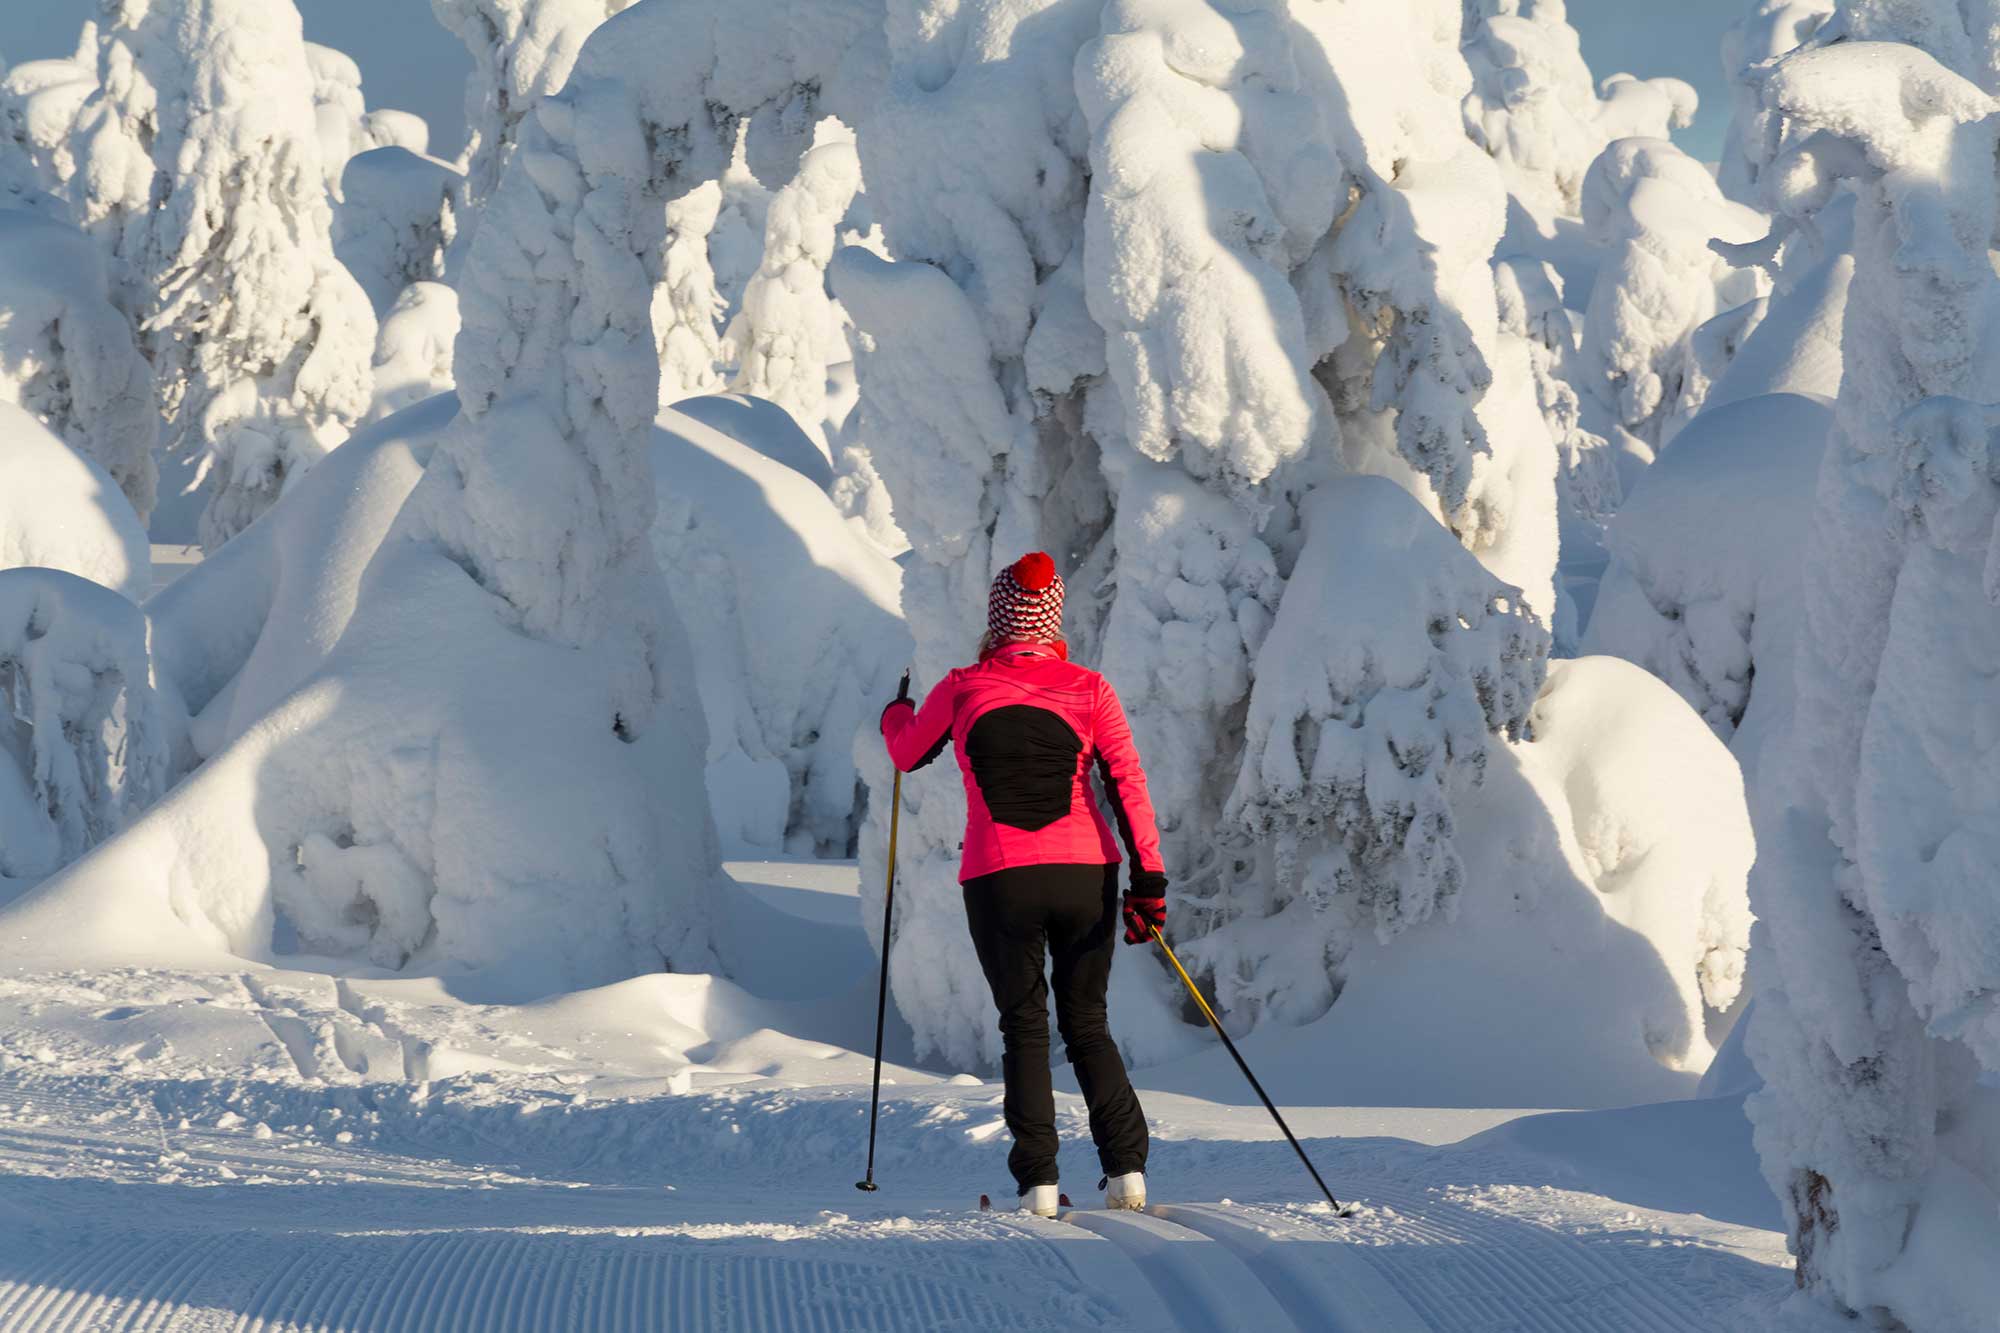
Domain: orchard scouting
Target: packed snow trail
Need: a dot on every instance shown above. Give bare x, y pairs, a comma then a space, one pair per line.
279, 1149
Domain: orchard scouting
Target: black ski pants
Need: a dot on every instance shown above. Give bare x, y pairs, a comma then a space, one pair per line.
1071, 913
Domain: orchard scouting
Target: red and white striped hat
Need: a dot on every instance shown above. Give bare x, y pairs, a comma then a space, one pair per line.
1027, 600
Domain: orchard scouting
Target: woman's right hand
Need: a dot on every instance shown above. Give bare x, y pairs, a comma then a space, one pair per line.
1145, 908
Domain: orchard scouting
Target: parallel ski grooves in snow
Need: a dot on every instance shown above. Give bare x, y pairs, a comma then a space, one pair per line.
1321, 1281
1204, 1284
1461, 1267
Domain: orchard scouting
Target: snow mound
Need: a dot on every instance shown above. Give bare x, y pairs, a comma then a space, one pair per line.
795, 624
765, 426
241, 630
414, 347
1582, 973
60, 510
1718, 619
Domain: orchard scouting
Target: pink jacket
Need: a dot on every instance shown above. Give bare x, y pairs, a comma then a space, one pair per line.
1026, 724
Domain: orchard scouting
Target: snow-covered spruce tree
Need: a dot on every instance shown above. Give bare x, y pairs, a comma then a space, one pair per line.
1345, 792
686, 306
85, 739
413, 350
521, 51
1652, 211
39, 103
69, 356
789, 329
339, 110
1106, 346
203, 179
1875, 1026
394, 221
1770, 29
1534, 107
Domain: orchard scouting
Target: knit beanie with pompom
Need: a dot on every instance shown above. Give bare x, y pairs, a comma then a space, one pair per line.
1027, 600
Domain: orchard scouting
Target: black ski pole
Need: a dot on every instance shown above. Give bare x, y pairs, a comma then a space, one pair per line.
882, 991
1241, 1064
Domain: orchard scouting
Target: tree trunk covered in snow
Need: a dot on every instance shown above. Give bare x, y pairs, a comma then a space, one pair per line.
203, 177
1876, 1021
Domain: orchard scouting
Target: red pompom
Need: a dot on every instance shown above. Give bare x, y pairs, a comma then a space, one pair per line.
1034, 571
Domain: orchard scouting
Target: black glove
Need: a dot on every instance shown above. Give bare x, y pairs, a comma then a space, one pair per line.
1145, 906
902, 697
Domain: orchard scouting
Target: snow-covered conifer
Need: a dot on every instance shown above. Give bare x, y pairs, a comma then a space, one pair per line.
1770, 29
521, 51
1874, 1021
1536, 109
789, 329
85, 739
39, 104
69, 356
259, 338
413, 350
338, 109
686, 306
394, 221
1652, 210
1115, 348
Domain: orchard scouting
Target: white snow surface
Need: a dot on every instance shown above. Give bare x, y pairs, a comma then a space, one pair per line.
312, 1147
60, 510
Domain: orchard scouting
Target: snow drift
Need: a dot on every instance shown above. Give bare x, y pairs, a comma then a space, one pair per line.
60, 510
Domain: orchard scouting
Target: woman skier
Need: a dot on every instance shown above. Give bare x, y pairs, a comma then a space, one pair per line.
1040, 868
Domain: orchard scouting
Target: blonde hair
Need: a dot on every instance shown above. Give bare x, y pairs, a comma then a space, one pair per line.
991, 643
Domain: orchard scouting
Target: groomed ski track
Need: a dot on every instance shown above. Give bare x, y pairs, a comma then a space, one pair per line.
298, 1235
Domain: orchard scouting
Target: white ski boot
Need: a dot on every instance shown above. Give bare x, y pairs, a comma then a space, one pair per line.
1126, 1192
1042, 1200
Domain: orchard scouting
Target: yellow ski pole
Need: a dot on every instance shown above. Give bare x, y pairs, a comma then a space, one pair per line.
882, 991
1237, 1056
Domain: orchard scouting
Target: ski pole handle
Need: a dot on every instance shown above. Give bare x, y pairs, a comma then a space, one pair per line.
903, 690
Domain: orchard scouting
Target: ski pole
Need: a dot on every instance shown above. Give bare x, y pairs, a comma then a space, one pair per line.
1237, 1056
882, 991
